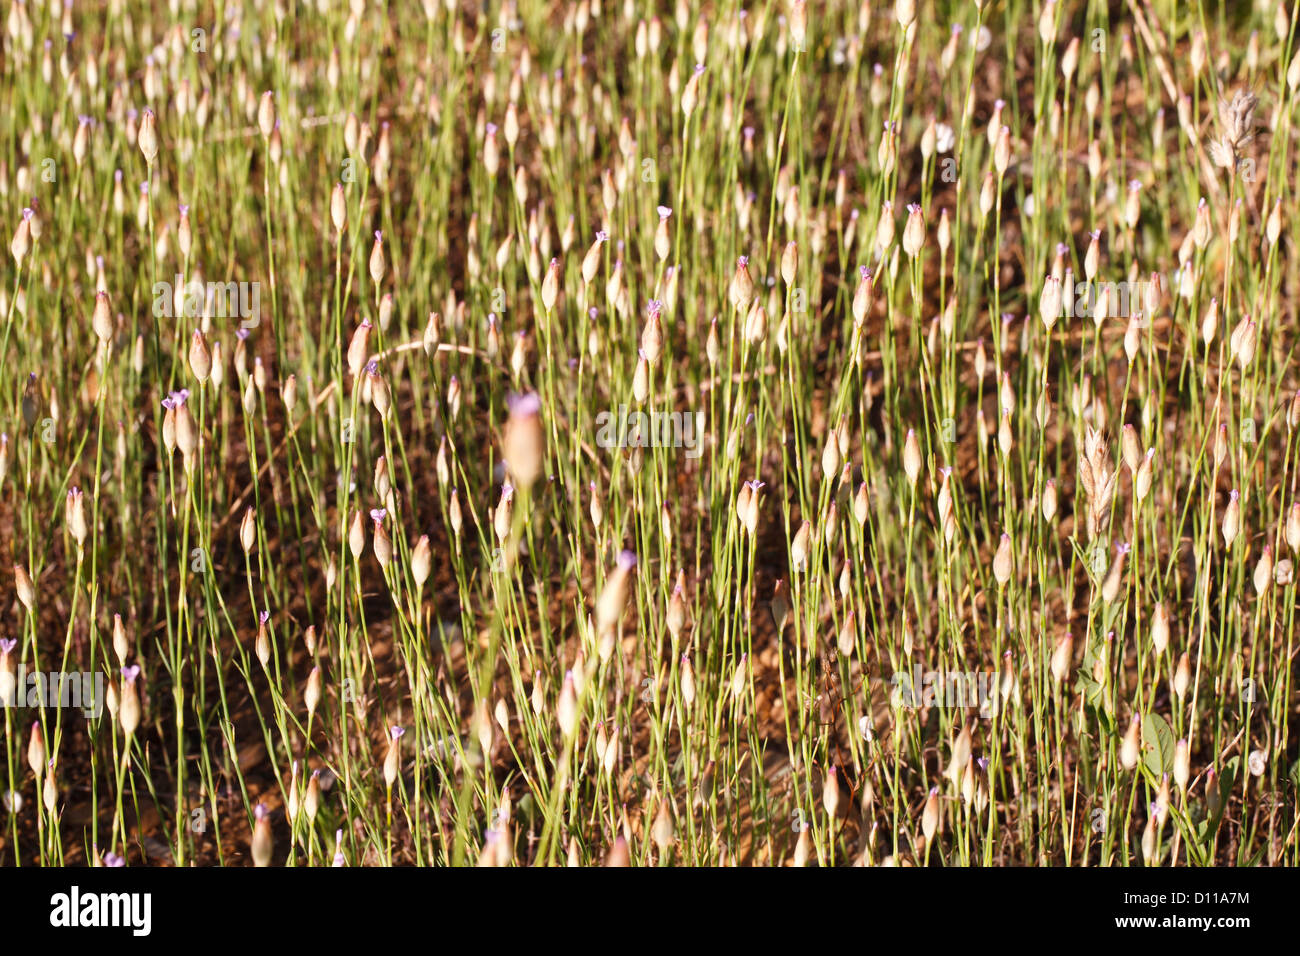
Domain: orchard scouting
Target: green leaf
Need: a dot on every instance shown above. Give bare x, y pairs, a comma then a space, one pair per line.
1159, 742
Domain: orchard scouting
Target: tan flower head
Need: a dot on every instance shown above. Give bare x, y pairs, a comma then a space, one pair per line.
1237, 124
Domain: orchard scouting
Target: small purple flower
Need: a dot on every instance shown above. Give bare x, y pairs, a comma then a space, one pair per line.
130, 674
377, 515
664, 212
263, 617
185, 210
7, 644
602, 236
260, 812
743, 261
1096, 234
113, 860
525, 405
491, 129
372, 367
117, 175
144, 189
699, 68
243, 334
626, 561
396, 732
379, 236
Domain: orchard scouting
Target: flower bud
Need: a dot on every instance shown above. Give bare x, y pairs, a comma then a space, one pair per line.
339, 209
377, 262
421, 561
912, 458
1062, 658
1160, 628
393, 759
1130, 748
129, 706
1002, 561
147, 136
263, 842
102, 318
311, 696
266, 114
